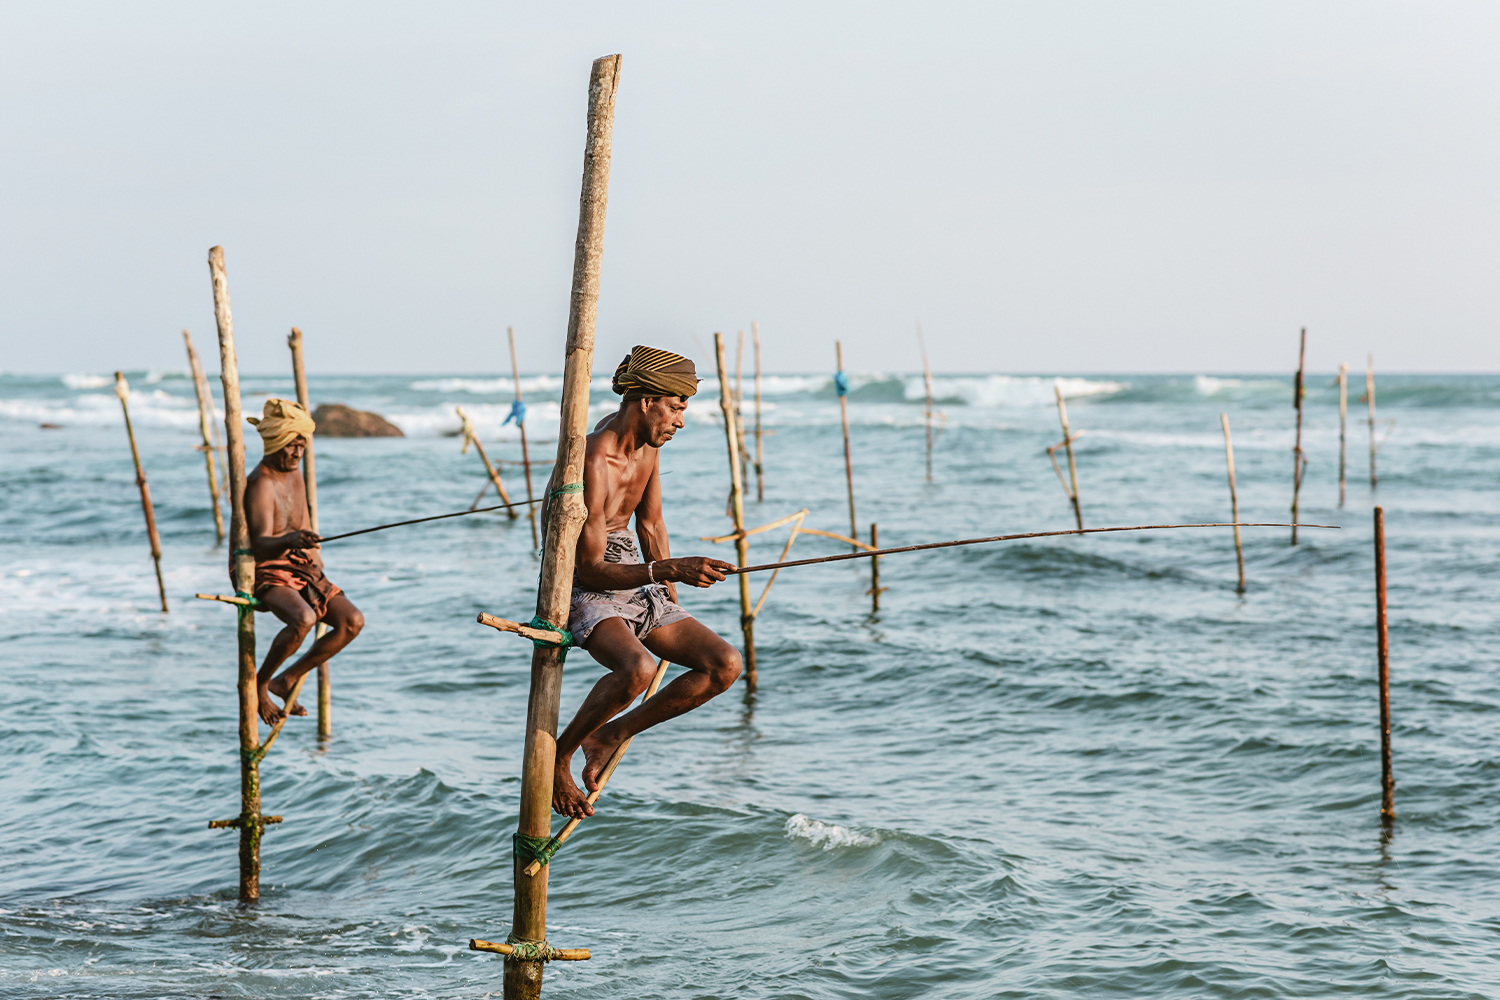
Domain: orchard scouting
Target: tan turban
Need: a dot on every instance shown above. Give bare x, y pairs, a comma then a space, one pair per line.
282, 422
647, 372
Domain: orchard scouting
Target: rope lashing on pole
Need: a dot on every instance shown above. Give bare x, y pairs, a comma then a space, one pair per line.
534, 951
1002, 538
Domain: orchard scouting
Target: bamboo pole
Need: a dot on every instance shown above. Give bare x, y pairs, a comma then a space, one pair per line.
841, 386
927, 381
609, 772
122, 390
739, 410
737, 511
565, 516
875, 587
1234, 502
760, 486
471, 437
310, 484
1370, 395
515, 371
1383, 660
205, 424
1343, 422
1062, 414
1298, 462
252, 824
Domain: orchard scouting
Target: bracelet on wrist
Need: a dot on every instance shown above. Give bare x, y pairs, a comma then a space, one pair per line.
651, 571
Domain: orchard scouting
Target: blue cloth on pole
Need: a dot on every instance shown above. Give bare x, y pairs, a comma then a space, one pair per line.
841, 383
517, 413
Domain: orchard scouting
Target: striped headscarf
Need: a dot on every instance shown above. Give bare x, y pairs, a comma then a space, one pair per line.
649, 372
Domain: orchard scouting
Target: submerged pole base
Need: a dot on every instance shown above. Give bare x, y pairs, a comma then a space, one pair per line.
531, 951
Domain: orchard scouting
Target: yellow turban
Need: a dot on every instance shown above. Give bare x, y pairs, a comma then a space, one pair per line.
647, 371
281, 423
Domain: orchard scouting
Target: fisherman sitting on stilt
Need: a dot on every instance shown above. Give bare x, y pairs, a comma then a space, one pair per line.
624, 606
289, 578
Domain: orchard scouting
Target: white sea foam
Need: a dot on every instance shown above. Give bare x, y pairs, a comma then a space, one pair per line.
1008, 390
155, 408
87, 381
828, 836
491, 386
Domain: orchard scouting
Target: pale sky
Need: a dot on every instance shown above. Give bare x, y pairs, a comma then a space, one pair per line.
1046, 187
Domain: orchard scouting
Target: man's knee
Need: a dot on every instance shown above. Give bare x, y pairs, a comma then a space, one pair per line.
299, 623
352, 623
724, 668
639, 674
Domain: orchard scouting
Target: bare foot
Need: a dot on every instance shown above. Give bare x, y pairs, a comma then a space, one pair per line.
567, 800
281, 688
597, 747
269, 712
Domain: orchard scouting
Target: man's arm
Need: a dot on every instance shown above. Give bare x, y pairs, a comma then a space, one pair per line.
260, 517
594, 573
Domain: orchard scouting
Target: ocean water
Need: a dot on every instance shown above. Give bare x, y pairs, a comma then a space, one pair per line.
1071, 767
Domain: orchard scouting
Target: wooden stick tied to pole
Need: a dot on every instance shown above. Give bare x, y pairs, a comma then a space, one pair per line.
838, 349
515, 371
615, 757
1298, 462
252, 826
737, 510
122, 390
310, 484
205, 428
1062, 414
760, 486
1383, 656
1234, 502
565, 515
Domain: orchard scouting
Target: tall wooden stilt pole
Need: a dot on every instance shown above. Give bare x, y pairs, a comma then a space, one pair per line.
122, 390
1234, 502
251, 823
760, 486
515, 371
737, 509
875, 587
1298, 462
1370, 395
310, 482
739, 411
841, 385
205, 425
1343, 423
1383, 658
927, 380
565, 516
1062, 415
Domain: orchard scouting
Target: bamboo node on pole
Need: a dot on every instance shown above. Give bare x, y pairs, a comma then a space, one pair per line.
531, 951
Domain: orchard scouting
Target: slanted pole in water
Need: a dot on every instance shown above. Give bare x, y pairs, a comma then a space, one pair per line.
1062, 415
927, 381
565, 516
737, 510
1343, 423
519, 409
1383, 661
841, 386
310, 482
1234, 502
251, 823
1370, 396
122, 390
760, 486
472, 437
1298, 462
205, 425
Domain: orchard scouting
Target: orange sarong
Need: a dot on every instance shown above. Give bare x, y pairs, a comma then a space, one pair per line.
295, 569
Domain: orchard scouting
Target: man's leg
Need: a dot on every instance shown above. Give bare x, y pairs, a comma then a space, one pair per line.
713, 666
631, 667
287, 605
344, 622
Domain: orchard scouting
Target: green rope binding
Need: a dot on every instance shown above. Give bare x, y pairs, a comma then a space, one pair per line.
566, 488
529, 849
530, 951
563, 643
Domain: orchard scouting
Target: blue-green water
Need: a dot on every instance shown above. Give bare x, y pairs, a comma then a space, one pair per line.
1077, 767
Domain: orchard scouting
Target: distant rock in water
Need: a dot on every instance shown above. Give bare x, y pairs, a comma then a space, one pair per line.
340, 421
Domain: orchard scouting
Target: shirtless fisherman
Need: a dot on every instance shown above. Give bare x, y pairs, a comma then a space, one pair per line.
289, 576
624, 607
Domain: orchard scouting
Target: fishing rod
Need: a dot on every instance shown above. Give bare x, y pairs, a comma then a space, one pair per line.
1001, 538
439, 517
